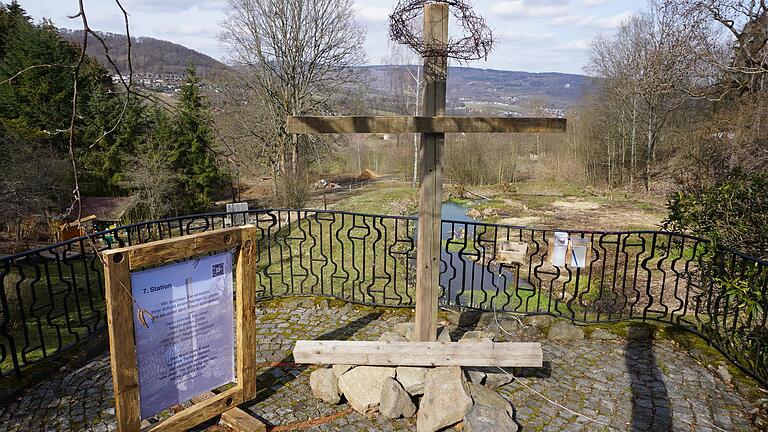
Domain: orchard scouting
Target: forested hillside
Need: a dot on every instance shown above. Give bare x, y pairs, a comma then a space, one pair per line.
148, 56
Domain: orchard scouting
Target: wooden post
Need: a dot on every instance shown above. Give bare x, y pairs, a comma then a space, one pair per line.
431, 190
125, 380
246, 312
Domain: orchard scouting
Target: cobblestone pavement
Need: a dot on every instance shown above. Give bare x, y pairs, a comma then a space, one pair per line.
623, 385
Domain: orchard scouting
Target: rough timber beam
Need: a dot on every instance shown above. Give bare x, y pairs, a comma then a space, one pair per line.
506, 354
439, 124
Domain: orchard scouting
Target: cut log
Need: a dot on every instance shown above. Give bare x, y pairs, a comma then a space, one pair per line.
507, 354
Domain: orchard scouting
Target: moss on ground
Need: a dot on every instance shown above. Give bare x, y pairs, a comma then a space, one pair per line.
689, 342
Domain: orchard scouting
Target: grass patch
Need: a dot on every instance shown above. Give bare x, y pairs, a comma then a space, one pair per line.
398, 201
460, 201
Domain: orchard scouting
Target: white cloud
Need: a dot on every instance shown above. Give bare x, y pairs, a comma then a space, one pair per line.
592, 21
530, 9
373, 13
594, 2
577, 45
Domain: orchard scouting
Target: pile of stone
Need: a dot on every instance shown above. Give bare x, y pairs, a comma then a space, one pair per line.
438, 397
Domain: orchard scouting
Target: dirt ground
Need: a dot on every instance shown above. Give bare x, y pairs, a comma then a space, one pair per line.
549, 205
532, 203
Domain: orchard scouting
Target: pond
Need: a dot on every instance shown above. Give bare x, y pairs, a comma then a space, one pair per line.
463, 276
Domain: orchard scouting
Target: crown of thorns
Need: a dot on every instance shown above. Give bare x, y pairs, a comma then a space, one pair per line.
475, 44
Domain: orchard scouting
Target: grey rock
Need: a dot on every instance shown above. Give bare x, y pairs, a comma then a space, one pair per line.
392, 337
722, 371
539, 321
475, 375
405, 330
476, 336
443, 334
395, 401
495, 378
412, 379
446, 399
324, 386
362, 387
484, 396
563, 331
602, 334
531, 332
509, 323
481, 418
340, 369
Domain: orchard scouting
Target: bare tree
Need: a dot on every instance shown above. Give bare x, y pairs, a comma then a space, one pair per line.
733, 36
641, 69
406, 81
296, 57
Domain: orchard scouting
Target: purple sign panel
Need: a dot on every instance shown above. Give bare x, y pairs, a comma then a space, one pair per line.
188, 348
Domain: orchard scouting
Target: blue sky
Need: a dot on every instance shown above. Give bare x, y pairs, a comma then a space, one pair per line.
533, 35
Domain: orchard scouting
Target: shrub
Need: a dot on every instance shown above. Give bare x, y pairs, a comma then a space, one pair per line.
732, 213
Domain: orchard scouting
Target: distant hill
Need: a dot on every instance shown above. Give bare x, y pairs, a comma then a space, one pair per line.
500, 92
470, 90
148, 56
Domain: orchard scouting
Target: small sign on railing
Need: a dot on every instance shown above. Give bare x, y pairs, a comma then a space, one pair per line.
511, 252
575, 251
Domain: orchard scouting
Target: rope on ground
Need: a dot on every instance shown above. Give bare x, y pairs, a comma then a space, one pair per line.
309, 423
526, 386
513, 315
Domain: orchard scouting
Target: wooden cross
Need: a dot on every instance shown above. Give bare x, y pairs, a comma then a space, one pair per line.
433, 126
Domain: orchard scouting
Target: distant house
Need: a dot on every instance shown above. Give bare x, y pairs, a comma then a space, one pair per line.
108, 210
96, 214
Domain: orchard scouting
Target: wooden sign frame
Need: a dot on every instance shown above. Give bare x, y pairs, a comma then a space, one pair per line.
122, 350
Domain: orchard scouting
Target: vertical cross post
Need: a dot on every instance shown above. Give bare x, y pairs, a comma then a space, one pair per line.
431, 189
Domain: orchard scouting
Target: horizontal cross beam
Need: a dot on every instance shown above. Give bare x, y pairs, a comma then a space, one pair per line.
439, 124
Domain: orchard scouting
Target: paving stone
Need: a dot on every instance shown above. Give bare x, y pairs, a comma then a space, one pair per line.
563, 330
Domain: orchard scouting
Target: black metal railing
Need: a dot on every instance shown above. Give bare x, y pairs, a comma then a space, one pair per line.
53, 297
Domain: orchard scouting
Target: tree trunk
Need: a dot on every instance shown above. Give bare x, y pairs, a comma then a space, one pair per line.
294, 153
415, 160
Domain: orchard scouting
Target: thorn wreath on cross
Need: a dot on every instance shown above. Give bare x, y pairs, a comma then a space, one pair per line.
435, 47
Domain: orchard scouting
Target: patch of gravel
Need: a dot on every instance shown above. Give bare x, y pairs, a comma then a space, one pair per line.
576, 205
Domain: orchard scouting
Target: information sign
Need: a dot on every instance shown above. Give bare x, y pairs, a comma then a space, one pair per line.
188, 348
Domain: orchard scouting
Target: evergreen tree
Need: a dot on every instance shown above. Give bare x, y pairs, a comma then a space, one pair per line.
192, 155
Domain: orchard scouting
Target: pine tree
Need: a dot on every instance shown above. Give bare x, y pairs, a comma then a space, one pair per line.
192, 154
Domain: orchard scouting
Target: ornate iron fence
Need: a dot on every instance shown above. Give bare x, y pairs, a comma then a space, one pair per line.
53, 298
